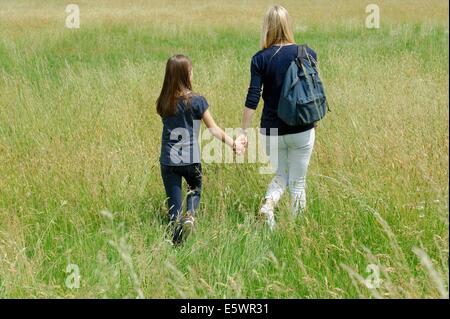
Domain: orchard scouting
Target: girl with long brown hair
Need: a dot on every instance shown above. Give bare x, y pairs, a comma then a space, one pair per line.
182, 111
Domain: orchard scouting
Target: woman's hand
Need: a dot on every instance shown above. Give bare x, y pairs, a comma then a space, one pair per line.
240, 145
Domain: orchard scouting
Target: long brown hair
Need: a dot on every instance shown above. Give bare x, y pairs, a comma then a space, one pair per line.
177, 83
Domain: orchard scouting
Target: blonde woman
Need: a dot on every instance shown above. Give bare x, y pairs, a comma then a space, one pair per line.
289, 147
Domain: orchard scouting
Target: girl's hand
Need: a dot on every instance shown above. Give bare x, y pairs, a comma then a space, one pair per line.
219, 133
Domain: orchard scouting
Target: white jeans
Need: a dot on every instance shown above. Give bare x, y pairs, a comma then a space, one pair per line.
289, 155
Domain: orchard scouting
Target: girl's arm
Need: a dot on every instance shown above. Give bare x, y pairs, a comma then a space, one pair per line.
217, 131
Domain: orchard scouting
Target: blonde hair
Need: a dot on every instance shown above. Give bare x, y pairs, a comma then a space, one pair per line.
277, 27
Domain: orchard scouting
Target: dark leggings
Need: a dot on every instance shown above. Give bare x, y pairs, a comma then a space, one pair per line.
172, 178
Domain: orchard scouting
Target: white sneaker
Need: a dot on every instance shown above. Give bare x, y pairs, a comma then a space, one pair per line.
267, 210
188, 225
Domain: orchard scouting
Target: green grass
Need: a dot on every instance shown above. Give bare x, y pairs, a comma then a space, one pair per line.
79, 134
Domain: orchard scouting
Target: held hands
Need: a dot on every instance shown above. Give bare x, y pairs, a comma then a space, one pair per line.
240, 144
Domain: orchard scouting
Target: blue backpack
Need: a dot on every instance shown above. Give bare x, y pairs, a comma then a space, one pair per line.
302, 100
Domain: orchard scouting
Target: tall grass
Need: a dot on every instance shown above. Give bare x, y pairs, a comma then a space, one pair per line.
79, 136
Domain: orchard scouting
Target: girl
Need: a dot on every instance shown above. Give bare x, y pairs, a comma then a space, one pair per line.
289, 147
181, 112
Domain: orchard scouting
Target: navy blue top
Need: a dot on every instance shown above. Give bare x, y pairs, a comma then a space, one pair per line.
268, 69
179, 142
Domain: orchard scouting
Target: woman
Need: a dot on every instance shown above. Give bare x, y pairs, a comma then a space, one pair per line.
289, 147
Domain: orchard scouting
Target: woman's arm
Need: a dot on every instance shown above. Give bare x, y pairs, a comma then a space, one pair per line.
252, 100
247, 119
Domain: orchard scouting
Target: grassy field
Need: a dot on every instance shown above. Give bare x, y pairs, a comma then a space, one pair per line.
79, 136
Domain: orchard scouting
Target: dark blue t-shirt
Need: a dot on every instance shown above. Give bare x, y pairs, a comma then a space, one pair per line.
268, 69
179, 143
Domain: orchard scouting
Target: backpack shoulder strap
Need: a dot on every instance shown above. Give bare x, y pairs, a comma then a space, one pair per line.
302, 51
